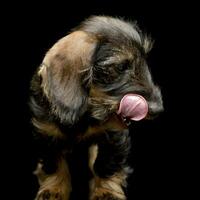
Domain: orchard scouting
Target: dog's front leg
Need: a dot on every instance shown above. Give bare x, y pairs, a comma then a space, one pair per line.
54, 186
52, 171
108, 163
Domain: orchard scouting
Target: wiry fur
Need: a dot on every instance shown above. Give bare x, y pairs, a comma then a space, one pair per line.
75, 94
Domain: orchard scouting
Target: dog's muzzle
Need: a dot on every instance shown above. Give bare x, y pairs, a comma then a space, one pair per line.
133, 107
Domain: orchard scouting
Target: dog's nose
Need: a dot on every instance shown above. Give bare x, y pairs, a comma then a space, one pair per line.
154, 110
155, 104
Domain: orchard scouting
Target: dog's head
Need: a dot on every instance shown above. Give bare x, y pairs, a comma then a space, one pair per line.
94, 67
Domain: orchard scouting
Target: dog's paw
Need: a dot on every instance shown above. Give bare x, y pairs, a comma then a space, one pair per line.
50, 195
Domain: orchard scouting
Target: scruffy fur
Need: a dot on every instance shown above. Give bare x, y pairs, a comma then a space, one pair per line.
75, 94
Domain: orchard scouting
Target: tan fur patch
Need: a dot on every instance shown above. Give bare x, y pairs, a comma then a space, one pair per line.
113, 123
104, 186
93, 151
57, 184
101, 104
77, 45
43, 73
40, 173
112, 185
67, 60
49, 129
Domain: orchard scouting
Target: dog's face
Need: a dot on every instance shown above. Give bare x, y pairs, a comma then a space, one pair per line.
91, 69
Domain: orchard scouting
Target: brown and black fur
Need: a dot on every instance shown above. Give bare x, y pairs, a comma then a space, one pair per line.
75, 94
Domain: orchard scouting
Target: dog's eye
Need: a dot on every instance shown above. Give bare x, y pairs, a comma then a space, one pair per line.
123, 66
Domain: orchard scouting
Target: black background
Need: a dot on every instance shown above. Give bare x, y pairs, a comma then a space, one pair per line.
161, 153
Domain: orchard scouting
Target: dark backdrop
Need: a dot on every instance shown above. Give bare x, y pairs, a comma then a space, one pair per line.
160, 147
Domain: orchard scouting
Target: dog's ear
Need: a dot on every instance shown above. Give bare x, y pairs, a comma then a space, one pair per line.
66, 75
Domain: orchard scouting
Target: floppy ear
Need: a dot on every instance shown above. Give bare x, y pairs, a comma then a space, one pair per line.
66, 75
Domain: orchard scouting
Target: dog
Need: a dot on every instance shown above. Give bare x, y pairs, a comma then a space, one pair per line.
88, 88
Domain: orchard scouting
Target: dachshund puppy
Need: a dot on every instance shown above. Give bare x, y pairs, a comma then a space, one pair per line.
90, 84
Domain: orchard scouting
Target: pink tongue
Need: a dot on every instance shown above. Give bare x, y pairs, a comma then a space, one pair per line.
133, 106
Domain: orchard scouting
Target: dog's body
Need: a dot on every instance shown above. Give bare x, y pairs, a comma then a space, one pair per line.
75, 95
